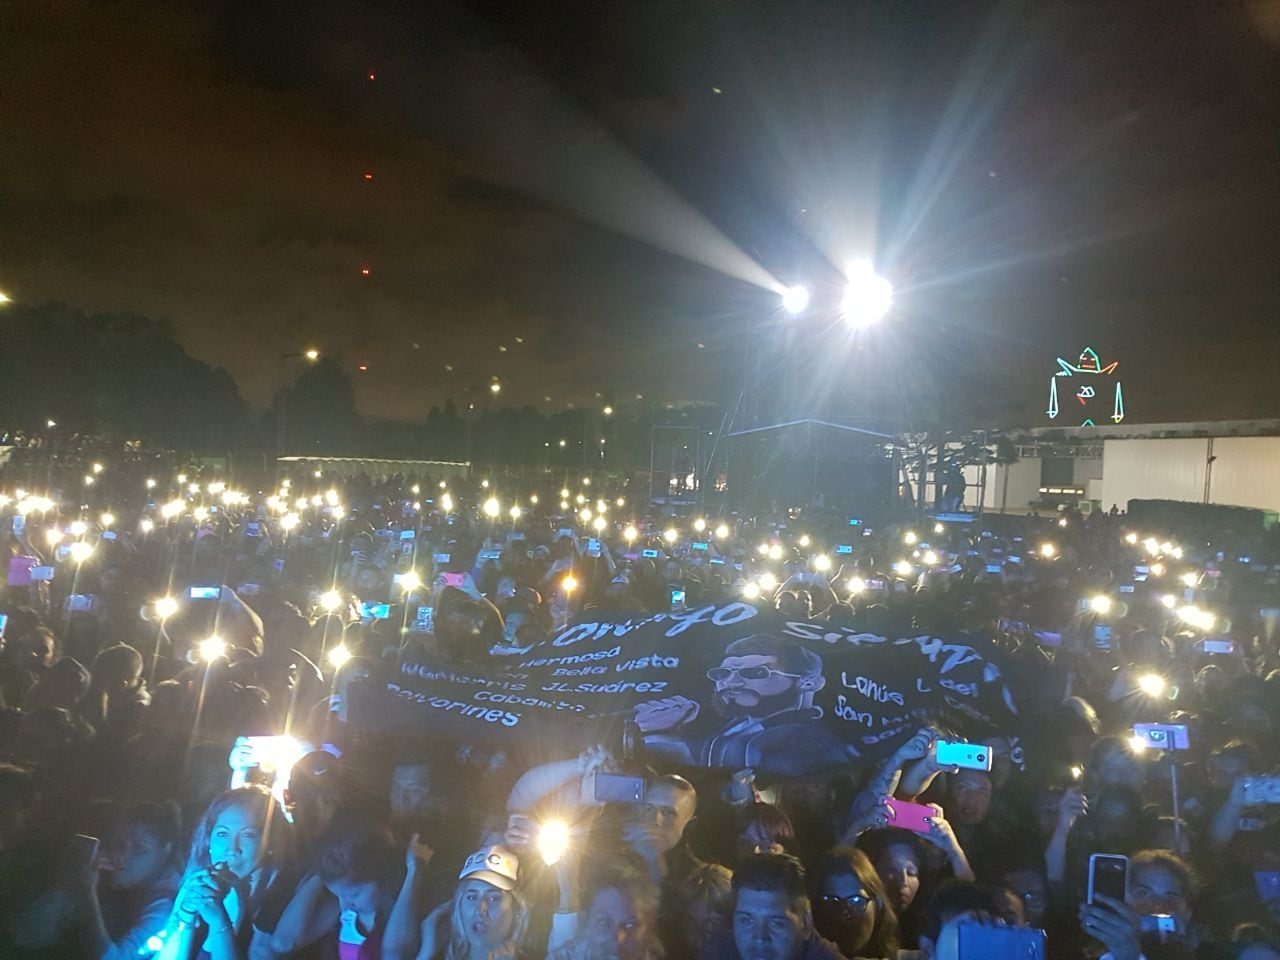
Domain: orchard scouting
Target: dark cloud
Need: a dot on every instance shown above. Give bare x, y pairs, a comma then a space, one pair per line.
1036, 177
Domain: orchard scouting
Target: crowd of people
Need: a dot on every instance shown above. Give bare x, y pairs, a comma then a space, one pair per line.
185, 773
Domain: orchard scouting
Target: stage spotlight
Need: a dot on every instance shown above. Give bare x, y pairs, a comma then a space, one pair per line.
795, 300
868, 296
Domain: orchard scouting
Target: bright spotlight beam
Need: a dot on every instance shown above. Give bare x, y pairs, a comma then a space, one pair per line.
795, 300
868, 296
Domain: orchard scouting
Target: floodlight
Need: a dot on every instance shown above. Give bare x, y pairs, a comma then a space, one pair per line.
868, 296
795, 300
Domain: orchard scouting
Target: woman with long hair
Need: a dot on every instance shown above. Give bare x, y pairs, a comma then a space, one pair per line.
487, 916
234, 855
851, 906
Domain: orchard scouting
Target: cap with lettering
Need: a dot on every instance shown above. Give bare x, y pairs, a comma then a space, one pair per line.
494, 865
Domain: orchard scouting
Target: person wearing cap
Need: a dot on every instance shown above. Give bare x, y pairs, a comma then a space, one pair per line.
487, 916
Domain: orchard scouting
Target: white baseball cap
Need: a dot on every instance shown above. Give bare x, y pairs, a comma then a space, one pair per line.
495, 865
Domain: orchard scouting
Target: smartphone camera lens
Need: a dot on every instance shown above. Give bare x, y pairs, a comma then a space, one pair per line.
982, 758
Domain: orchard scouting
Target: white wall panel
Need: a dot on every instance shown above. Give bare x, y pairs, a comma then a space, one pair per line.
1246, 472
1024, 485
1152, 470
1085, 469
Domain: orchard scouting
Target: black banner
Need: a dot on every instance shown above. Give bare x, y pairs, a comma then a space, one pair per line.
729, 687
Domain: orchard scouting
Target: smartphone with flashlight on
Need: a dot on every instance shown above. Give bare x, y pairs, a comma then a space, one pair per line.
618, 788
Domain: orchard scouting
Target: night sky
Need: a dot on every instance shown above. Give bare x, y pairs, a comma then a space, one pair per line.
583, 198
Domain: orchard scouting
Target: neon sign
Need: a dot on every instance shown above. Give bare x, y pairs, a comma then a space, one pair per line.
1089, 365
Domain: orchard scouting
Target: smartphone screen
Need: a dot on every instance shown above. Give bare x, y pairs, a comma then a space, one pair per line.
376, 611
1109, 876
424, 623
204, 593
987, 941
4, 622
677, 599
1163, 736
651, 554
408, 534
79, 602
1219, 646
1102, 636
844, 548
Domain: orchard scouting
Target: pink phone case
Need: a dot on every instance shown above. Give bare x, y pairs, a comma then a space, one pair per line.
911, 816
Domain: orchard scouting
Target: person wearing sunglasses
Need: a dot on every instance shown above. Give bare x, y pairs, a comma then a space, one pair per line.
850, 906
763, 687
